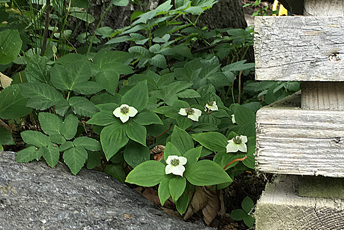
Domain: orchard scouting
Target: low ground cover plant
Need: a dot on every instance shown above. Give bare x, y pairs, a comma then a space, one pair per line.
176, 110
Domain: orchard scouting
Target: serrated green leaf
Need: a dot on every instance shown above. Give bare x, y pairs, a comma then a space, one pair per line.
212, 140
75, 158
42, 96
135, 154
89, 87
206, 172
10, 45
158, 60
12, 103
70, 126
137, 96
82, 106
37, 69
116, 171
57, 138
51, 155
147, 174
136, 133
28, 154
50, 123
35, 138
6, 137
65, 146
87, 143
112, 139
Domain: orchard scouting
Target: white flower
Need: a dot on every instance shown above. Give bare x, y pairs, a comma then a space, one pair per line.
124, 112
236, 144
233, 119
175, 165
211, 106
192, 113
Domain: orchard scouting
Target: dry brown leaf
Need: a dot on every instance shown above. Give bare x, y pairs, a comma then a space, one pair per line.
158, 152
213, 206
5, 81
197, 202
152, 195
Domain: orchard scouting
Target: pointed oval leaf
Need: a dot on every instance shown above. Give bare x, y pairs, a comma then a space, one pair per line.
6, 137
137, 96
163, 190
206, 172
50, 123
112, 139
177, 187
212, 140
181, 139
171, 150
51, 155
136, 133
135, 154
75, 158
148, 174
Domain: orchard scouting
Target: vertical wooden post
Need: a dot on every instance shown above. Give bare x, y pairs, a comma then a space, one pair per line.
323, 95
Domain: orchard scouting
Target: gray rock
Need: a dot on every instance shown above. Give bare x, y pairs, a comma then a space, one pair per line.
35, 196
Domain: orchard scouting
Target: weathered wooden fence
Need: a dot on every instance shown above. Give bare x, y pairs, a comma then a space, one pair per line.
302, 135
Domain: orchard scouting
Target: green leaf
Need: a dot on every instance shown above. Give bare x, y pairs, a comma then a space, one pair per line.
42, 96
57, 138
177, 187
35, 138
163, 190
238, 214
171, 150
136, 133
181, 139
158, 61
212, 140
116, 171
51, 155
120, 2
168, 111
10, 46
6, 137
135, 154
183, 122
82, 106
89, 87
243, 115
83, 16
249, 221
70, 75
50, 123
70, 126
37, 69
94, 159
147, 174
12, 103
87, 143
28, 154
146, 117
247, 204
103, 119
137, 96
188, 93
109, 80
65, 146
75, 158
192, 155
206, 172
182, 203
113, 138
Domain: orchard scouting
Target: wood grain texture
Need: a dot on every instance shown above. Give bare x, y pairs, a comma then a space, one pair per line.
299, 48
324, 8
280, 208
322, 95
300, 142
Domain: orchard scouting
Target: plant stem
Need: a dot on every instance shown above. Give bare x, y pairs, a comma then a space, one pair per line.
99, 24
46, 26
2, 123
239, 159
239, 96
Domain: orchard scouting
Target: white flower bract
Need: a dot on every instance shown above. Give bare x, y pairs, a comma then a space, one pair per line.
233, 119
124, 112
175, 165
236, 144
211, 106
191, 113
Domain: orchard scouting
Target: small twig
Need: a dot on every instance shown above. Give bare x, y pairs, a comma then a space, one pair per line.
2, 123
46, 26
239, 159
239, 87
164, 131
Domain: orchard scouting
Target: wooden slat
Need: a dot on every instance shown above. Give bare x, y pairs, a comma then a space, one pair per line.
299, 48
300, 142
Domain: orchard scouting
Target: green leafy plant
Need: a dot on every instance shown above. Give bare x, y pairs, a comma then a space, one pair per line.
244, 214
